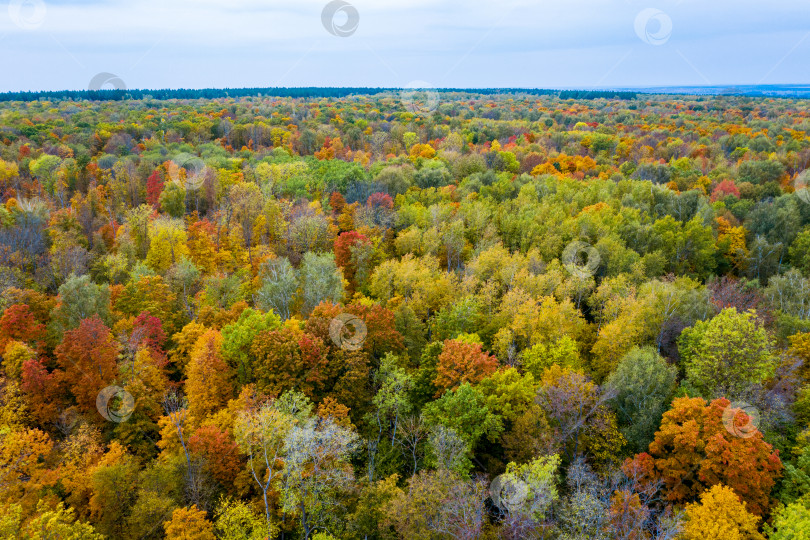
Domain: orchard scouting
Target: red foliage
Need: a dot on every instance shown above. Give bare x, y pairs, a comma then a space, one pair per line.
337, 202
43, 390
725, 188
461, 362
695, 449
88, 355
18, 323
219, 450
154, 187
147, 332
380, 200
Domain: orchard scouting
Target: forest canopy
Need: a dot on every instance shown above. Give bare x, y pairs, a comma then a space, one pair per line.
346, 313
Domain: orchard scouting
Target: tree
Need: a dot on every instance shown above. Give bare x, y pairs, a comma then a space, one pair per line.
219, 452
564, 353
167, 244
316, 471
22, 466
576, 410
525, 493
727, 354
59, 522
694, 449
642, 386
320, 281
279, 284
189, 523
465, 411
19, 324
80, 298
88, 357
345, 245
438, 504
236, 521
261, 433
462, 362
791, 522
238, 337
208, 386
289, 358
720, 514
508, 393
246, 203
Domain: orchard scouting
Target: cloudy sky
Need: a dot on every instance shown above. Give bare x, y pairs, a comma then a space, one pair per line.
63, 44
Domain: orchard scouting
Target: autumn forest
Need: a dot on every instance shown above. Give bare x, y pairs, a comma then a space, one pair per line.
405, 315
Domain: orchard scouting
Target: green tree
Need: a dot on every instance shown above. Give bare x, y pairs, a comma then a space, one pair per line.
321, 281
279, 283
727, 354
642, 387
79, 299
237, 339
464, 409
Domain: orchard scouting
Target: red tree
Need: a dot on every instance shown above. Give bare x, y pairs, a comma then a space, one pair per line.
18, 323
154, 187
724, 189
87, 357
696, 448
461, 362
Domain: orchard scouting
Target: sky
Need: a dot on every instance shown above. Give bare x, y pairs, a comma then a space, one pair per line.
66, 44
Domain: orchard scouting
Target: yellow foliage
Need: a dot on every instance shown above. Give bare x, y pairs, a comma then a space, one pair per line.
720, 514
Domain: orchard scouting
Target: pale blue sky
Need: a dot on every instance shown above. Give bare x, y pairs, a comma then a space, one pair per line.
447, 43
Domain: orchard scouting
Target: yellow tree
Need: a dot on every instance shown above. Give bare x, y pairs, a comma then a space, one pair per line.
189, 524
208, 387
720, 514
167, 244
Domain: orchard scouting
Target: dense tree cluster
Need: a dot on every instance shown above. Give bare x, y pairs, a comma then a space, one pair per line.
495, 315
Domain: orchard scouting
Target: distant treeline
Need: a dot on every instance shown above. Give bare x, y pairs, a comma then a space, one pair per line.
304, 92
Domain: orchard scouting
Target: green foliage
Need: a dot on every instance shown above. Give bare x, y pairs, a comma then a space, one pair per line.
237, 339
642, 386
727, 354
